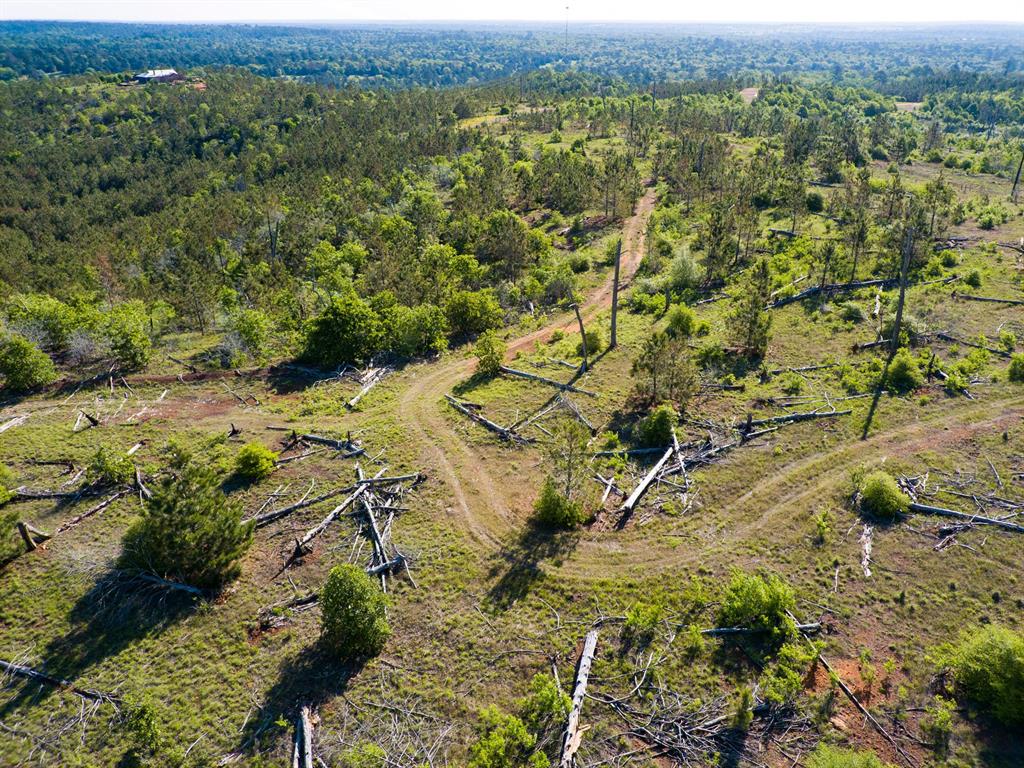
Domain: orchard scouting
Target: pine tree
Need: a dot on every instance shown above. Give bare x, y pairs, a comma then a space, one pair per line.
748, 322
189, 531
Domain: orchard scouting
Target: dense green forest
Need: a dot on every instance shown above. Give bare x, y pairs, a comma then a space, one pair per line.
356, 408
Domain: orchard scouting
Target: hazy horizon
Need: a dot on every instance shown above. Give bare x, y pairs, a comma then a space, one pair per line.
747, 12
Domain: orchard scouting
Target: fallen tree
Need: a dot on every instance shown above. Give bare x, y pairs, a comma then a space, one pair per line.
573, 734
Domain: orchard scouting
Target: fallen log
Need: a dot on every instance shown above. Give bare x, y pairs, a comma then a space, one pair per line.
926, 509
16, 421
93, 511
830, 289
725, 631
275, 514
302, 544
302, 755
793, 417
152, 578
545, 380
505, 434
639, 491
955, 340
956, 295
28, 673
341, 445
374, 379
573, 735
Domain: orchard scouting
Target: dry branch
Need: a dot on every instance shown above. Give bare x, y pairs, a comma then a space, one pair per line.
544, 380
503, 432
29, 673
930, 510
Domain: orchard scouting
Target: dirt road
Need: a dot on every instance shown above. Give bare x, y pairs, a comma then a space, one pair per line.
479, 503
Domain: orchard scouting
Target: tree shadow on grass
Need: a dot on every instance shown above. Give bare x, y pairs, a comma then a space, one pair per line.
115, 613
520, 565
310, 678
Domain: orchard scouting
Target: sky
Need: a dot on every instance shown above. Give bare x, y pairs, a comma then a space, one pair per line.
917, 11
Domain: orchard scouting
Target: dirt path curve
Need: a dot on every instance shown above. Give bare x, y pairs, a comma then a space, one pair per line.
478, 501
801, 484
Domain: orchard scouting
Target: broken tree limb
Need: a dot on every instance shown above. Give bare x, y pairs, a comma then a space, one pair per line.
504, 433
545, 380
927, 509
341, 445
92, 511
152, 578
28, 673
639, 491
32, 536
573, 735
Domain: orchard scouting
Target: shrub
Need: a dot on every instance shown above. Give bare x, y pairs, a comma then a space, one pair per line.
682, 322
252, 327
110, 468
655, 429
852, 312
987, 669
881, 496
553, 510
490, 354
472, 312
792, 383
683, 272
579, 263
759, 602
815, 202
24, 366
347, 331
353, 614
505, 742
743, 712
904, 373
937, 723
415, 331
189, 531
783, 680
125, 328
642, 620
825, 756
1016, 370
973, 279
1007, 341
254, 462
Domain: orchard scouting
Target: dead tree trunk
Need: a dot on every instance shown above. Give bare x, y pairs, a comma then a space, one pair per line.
302, 754
573, 735
613, 342
302, 544
965, 516
33, 536
634, 497
583, 336
908, 246
33, 674
1016, 179
544, 380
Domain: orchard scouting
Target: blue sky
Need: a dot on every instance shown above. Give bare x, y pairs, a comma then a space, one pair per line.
923, 11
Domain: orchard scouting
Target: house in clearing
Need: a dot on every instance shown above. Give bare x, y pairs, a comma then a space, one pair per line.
158, 76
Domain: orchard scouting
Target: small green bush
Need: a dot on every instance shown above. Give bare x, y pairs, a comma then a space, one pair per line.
881, 496
937, 724
24, 366
553, 510
759, 602
254, 462
252, 327
973, 279
1016, 369
792, 383
655, 429
353, 614
904, 372
825, 756
579, 263
783, 679
125, 328
642, 619
743, 711
110, 468
490, 354
987, 669
682, 322
852, 312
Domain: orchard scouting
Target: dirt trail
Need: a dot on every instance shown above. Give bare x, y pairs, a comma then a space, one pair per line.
478, 501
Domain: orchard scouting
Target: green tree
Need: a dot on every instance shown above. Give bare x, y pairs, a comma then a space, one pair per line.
252, 329
189, 531
472, 312
414, 331
347, 331
353, 610
24, 366
748, 322
760, 602
655, 429
490, 354
663, 370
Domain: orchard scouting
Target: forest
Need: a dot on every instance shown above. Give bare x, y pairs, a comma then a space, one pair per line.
493, 397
